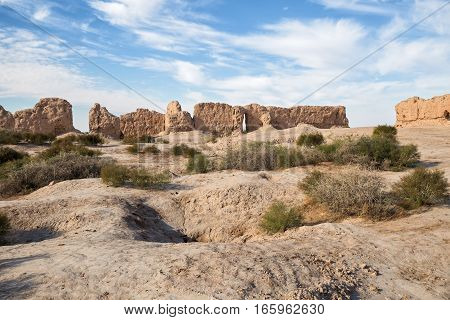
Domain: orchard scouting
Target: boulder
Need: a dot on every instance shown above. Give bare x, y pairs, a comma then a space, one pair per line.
142, 122
218, 118
418, 112
6, 120
177, 120
104, 123
49, 116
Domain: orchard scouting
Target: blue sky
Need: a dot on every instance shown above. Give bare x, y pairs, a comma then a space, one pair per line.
239, 52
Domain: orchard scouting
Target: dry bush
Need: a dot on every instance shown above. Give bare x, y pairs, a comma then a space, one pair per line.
39, 173
350, 192
140, 139
152, 149
279, 218
10, 137
90, 139
421, 187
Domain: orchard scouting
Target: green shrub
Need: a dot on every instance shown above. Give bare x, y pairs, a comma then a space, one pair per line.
378, 151
421, 187
152, 149
117, 175
114, 175
143, 179
38, 138
67, 147
40, 172
352, 192
10, 137
4, 224
140, 139
90, 139
280, 217
257, 156
9, 154
163, 141
133, 149
198, 164
310, 139
184, 150
385, 130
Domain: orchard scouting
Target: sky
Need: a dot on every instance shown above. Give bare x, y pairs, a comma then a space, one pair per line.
128, 54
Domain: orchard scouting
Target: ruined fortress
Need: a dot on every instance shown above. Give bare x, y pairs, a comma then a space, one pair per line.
54, 116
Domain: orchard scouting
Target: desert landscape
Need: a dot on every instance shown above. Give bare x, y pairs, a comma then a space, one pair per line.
235, 202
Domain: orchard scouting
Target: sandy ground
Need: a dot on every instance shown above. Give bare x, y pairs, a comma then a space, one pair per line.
83, 240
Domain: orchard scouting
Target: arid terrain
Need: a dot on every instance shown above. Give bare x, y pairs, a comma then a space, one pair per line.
81, 239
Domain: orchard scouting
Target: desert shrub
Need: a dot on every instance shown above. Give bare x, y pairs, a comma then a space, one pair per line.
117, 175
256, 156
163, 141
9, 154
4, 224
140, 139
67, 147
90, 139
37, 138
310, 139
198, 164
279, 218
40, 172
133, 149
152, 149
385, 130
352, 192
378, 151
421, 187
184, 150
10, 137
114, 175
141, 178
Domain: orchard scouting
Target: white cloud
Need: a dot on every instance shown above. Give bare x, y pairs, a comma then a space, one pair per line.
127, 12
41, 13
371, 6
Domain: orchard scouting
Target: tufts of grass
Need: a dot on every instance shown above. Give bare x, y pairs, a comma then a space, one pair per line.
140, 139
114, 175
421, 187
152, 149
310, 139
90, 139
279, 218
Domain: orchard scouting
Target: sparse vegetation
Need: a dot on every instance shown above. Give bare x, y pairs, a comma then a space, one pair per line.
256, 156
9, 154
378, 152
12, 137
58, 148
152, 149
133, 148
184, 150
90, 139
38, 173
421, 187
350, 193
198, 164
310, 139
279, 217
140, 139
117, 175
4, 224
